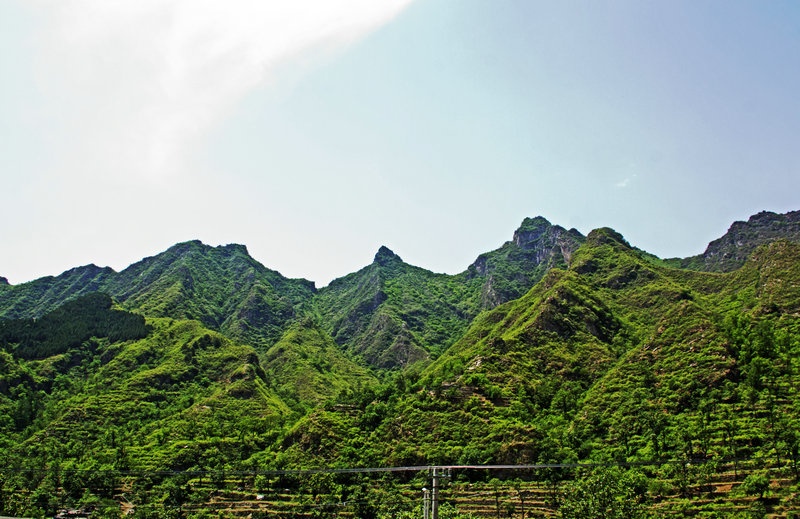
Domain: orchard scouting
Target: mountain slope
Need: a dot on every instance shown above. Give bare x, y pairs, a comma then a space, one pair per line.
511, 270
391, 313
70, 325
730, 251
616, 358
394, 314
222, 287
183, 398
716, 366
44, 295
608, 355
496, 395
306, 367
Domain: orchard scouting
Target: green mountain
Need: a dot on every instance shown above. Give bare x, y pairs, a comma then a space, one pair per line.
222, 287
43, 295
69, 326
511, 270
616, 359
183, 397
306, 367
519, 374
194, 381
393, 314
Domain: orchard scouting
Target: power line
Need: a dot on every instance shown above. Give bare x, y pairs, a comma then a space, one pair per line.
367, 470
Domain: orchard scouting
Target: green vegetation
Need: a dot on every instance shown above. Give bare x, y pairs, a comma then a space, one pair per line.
393, 314
307, 369
510, 271
606, 494
222, 287
212, 386
69, 326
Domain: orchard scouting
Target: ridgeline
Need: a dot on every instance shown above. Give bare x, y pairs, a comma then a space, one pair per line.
559, 375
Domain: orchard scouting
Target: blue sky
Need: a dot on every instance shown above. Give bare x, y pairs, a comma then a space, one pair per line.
315, 134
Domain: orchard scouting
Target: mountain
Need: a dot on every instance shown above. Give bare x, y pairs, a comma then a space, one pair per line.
307, 368
394, 314
69, 326
724, 349
222, 287
159, 403
198, 382
511, 270
390, 313
44, 295
517, 375
616, 359
730, 251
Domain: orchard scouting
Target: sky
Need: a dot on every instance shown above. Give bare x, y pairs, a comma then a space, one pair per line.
315, 131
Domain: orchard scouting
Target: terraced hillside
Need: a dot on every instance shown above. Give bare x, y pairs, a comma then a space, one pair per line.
199, 383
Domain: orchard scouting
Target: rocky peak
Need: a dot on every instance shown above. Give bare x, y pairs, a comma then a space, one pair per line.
538, 233
517, 265
88, 270
385, 256
530, 231
535, 242
731, 250
196, 248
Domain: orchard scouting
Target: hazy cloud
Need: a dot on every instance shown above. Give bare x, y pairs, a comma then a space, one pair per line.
622, 184
133, 84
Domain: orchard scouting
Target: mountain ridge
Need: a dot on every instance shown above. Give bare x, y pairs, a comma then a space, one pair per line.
389, 311
215, 377
766, 223
732, 249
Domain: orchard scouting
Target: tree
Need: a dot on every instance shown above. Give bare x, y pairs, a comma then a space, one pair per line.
605, 494
755, 484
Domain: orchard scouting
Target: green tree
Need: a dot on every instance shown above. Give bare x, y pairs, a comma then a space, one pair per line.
605, 494
755, 484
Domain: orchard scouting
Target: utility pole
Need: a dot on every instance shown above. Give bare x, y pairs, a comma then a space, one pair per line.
435, 495
430, 503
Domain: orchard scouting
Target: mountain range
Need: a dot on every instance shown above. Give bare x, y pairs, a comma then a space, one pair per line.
199, 375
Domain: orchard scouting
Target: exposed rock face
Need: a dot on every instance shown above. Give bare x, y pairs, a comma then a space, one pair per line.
731, 250
514, 268
389, 313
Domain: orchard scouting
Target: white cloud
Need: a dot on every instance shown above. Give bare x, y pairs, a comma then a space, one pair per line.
622, 184
133, 84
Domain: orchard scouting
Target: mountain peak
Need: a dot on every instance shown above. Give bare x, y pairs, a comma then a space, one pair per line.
193, 246
730, 251
536, 222
179, 249
233, 248
607, 236
384, 256
530, 230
